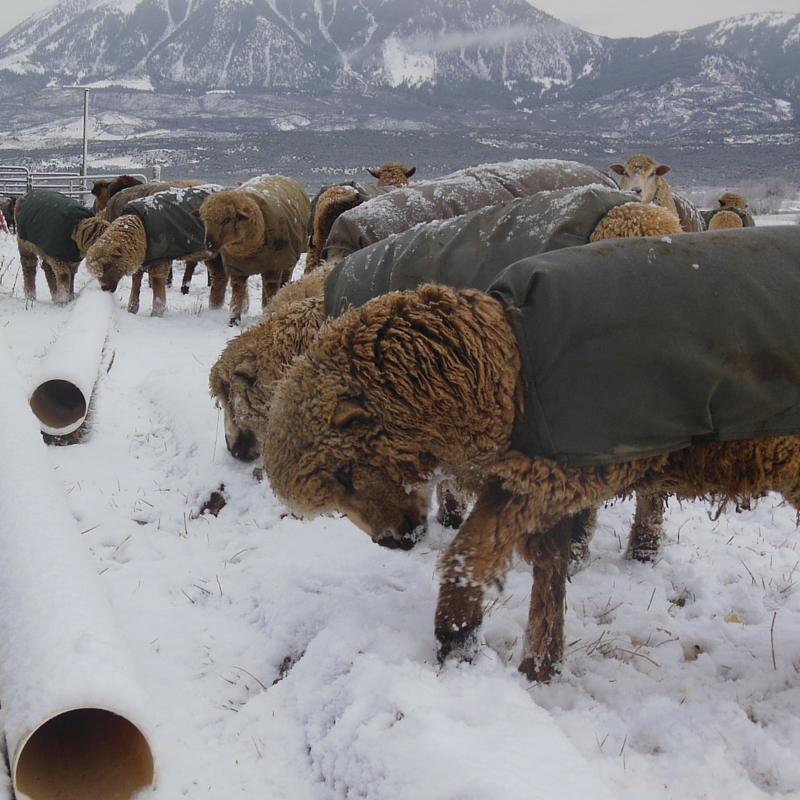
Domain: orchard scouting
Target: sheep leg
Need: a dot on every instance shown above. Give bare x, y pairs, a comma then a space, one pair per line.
452, 504
480, 554
218, 279
270, 283
64, 281
188, 272
583, 529
646, 535
239, 298
549, 553
136, 291
29, 261
159, 278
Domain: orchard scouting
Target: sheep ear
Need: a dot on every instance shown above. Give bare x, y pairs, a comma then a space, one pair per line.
242, 215
374, 173
196, 212
410, 172
349, 410
618, 168
662, 169
246, 369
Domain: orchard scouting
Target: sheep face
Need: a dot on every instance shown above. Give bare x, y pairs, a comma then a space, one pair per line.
119, 251
640, 175
323, 454
228, 218
392, 173
231, 389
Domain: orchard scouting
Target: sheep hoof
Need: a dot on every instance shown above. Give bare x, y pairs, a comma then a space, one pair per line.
184, 290
461, 645
539, 671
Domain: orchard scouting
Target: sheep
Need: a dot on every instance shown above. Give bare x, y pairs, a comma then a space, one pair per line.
103, 190
644, 176
436, 381
58, 230
451, 196
257, 228
149, 233
7, 210
331, 201
730, 205
636, 219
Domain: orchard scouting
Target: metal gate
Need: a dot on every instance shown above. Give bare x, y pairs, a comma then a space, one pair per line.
15, 181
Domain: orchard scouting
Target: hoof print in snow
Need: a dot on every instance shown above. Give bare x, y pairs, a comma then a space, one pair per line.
215, 503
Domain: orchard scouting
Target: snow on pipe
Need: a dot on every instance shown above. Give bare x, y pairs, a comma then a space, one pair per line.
63, 385
73, 710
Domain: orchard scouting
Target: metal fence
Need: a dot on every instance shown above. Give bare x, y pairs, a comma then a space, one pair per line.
15, 181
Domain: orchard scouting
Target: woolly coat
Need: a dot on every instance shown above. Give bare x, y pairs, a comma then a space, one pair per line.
285, 208
48, 219
469, 251
362, 191
638, 347
455, 194
172, 231
744, 215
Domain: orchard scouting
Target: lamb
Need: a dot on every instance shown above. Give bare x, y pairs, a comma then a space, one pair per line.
435, 381
332, 201
257, 228
104, 190
730, 205
451, 196
149, 233
58, 230
644, 176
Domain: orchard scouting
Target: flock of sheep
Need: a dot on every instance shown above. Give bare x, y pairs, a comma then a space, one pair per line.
527, 339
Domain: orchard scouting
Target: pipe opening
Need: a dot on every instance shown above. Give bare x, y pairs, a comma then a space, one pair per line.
85, 754
59, 405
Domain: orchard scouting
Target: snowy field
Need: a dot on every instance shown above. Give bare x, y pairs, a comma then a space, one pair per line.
296, 659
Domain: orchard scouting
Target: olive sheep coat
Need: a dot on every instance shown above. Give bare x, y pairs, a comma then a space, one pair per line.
172, 231
469, 251
638, 347
48, 219
743, 214
455, 194
285, 208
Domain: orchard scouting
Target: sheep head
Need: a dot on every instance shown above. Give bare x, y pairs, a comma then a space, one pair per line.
392, 173
100, 192
640, 174
732, 200
119, 251
88, 231
231, 219
231, 385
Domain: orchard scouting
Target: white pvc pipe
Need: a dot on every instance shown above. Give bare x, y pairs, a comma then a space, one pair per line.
73, 710
63, 385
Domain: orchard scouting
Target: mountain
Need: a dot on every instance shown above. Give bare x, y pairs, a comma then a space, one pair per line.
424, 64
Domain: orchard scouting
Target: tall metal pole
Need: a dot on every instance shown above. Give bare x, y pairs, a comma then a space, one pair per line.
85, 130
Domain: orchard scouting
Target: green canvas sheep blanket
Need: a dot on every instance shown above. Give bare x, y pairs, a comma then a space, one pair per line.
48, 219
470, 250
453, 195
172, 231
638, 347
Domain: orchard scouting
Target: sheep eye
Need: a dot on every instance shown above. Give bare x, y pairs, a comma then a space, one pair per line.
345, 476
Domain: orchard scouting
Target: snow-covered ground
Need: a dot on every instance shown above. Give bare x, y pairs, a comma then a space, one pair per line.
296, 659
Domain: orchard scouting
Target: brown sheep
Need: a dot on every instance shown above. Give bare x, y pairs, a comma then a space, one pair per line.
433, 381
335, 200
732, 200
58, 230
636, 219
257, 228
150, 232
644, 176
104, 190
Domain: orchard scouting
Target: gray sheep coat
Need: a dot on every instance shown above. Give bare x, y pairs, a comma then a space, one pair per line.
172, 231
469, 251
48, 219
638, 347
455, 194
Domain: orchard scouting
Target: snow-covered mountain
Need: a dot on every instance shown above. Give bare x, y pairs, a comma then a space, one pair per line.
441, 54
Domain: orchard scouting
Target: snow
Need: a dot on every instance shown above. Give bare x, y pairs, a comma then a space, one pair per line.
295, 659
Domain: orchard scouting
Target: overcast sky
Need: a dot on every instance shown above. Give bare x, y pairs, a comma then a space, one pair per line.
616, 18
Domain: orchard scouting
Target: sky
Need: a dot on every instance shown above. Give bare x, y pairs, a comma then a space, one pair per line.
616, 19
